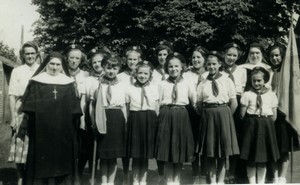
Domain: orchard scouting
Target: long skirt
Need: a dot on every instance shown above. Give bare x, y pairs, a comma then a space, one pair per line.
217, 133
259, 140
19, 145
142, 126
174, 142
113, 144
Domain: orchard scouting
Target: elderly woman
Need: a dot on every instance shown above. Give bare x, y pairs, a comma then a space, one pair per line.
52, 106
17, 85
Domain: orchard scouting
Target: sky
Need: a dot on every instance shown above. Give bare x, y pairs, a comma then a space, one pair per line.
14, 14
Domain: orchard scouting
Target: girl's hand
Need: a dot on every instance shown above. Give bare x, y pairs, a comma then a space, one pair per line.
13, 124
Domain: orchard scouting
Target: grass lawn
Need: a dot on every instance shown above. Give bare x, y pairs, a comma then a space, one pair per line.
8, 171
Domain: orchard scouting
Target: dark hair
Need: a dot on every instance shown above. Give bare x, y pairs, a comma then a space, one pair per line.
164, 45
144, 63
134, 49
112, 60
29, 44
282, 50
73, 47
232, 45
177, 56
48, 58
262, 70
215, 54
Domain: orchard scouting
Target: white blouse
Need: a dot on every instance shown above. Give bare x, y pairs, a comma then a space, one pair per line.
226, 90
269, 101
80, 81
133, 96
240, 79
186, 92
19, 79
91, 87
157, 77
125, 78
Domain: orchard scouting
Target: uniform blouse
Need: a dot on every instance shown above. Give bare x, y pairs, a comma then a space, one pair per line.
157, 77
269, 101
240, 79
186, 91
134, 97
91, 86
126, 78
19, 79
226, 90
80, 81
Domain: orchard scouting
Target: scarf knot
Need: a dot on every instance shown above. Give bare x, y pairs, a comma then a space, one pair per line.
214, 85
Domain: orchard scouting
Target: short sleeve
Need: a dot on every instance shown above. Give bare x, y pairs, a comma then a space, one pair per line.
244, 77
231, 89
127, 95
244, 99
274, 100
13, 84
192, 93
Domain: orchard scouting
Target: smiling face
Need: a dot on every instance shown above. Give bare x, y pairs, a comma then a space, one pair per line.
54, 67
143, 74
257, 80
132, 59
231, 56
111, 71
275, 57
74, 59
197, 60
96, 63
213, 65
175, 67
30, 55
255, 55
161, 56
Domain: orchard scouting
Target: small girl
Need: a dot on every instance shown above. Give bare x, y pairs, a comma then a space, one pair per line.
91, 84
142, 99
133, 56
239, 77
217, 102
162, 50
108, 118
194, 77
258, 109
174, 143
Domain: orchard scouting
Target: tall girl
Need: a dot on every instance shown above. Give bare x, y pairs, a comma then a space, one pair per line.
194, 77
239, 76
95, 59
133, 56
18, 82
259, 144
142, 98
217, 102
284, 132
162, 50
108, 118
174, 143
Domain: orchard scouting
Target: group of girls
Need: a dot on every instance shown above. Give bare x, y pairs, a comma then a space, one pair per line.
212, 112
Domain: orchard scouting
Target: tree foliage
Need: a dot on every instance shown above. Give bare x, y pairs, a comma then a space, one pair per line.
119, 23
7, 52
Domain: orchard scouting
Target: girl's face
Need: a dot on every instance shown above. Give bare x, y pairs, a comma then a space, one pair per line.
213, 65
96, 63
143, 74
197, 60
161, 56
29, 55
175, 67
258, 80
54, 67
255, 55
132, 59
275, 57
74, 59
111, 71
231, 56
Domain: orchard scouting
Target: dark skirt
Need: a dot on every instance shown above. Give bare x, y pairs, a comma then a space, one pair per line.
259, 140
174, 142
113, 144
142, 126
217, 133
285, 134
194, 118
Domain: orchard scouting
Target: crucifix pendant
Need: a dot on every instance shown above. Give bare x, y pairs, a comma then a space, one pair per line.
54, 92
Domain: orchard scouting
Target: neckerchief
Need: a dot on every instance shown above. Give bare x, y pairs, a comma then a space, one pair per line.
143, 92
214, 85
175, 88
199, 72
98, 76
230, 71
259, 101
161, 71
109, 82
